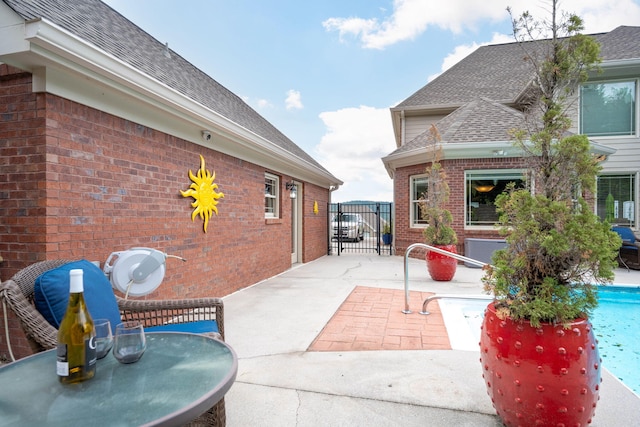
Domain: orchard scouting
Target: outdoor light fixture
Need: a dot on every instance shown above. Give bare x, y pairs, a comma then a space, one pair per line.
206, 136
484, 188
293, 189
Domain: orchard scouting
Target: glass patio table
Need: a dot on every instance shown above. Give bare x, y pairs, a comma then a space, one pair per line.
178, 378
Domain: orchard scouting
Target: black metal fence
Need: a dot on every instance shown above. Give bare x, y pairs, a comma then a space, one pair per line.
360, 228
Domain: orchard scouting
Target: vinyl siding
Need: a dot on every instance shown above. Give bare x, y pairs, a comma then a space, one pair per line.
417, 125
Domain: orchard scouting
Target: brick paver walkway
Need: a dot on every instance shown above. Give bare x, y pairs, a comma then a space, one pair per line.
372, 319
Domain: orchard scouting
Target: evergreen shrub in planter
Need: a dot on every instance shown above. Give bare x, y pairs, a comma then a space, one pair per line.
538, 352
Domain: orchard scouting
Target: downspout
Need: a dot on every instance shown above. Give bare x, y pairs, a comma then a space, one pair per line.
332, 188
403, 138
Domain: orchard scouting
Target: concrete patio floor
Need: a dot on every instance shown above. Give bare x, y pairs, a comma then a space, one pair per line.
281, 382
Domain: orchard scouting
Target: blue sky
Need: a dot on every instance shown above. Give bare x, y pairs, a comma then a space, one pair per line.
326, 72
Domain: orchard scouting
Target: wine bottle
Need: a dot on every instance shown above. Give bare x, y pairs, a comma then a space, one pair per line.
76, 349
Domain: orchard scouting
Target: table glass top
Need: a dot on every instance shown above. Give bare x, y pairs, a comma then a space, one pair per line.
176, 373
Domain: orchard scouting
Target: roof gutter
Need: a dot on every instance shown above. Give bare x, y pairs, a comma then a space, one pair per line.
620, 63
470, 150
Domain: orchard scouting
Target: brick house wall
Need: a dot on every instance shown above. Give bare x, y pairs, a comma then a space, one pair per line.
455, 170
315, 233
81, 183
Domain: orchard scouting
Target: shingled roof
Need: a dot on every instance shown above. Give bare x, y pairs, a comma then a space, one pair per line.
620, 44
499, 72
482, 88
496, 72
480, 120
100, 25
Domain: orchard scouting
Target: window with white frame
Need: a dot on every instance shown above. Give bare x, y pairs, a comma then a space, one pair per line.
482, 188
418, 187
609, 108
271, 195
616, 199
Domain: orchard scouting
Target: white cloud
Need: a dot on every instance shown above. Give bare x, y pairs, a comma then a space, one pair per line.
598, 15
411, 18
610, 15
263, 103
294, 100
260, 104
355, 26
355, 141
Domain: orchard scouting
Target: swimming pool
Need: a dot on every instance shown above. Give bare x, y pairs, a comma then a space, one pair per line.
616, 324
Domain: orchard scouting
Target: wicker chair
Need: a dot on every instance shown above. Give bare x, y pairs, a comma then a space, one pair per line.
18, 293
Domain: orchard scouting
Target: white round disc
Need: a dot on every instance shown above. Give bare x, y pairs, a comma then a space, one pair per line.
123, 269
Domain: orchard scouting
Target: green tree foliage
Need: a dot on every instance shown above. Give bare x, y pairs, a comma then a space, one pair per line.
558, 249
439, 219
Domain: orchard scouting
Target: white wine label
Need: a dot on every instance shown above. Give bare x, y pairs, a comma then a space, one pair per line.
62, 369
62, 366
91, 355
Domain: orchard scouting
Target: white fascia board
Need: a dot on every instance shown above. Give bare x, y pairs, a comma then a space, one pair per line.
45, 44
598, 148
453, 151
618, 67
426, 109
480, 150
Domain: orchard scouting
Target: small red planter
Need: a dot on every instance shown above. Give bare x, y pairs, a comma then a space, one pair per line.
441, 267
540, 376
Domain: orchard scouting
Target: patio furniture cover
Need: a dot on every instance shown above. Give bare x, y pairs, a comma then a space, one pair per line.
630, 249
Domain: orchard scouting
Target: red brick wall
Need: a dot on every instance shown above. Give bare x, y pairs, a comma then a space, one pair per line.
315, 225
455, 169
80, 183
22, 181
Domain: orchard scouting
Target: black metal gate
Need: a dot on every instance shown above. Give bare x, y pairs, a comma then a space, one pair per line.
360, 228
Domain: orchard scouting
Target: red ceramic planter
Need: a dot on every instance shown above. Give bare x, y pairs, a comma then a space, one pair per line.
547, 376
441, 267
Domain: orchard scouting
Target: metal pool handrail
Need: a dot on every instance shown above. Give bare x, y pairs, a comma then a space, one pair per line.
434, 249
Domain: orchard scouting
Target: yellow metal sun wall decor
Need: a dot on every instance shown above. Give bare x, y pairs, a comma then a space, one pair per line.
203, 190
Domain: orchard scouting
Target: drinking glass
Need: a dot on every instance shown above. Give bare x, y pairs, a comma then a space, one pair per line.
104, 337
130, 342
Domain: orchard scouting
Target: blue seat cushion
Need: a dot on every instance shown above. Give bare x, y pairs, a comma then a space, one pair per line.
200, 327
627, 236
51, 293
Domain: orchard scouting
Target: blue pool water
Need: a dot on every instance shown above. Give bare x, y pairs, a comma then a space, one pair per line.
616, 324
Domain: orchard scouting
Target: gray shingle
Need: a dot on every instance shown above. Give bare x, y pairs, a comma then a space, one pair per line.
496, 72
621, 43
480, 120
500, 72
100, 25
